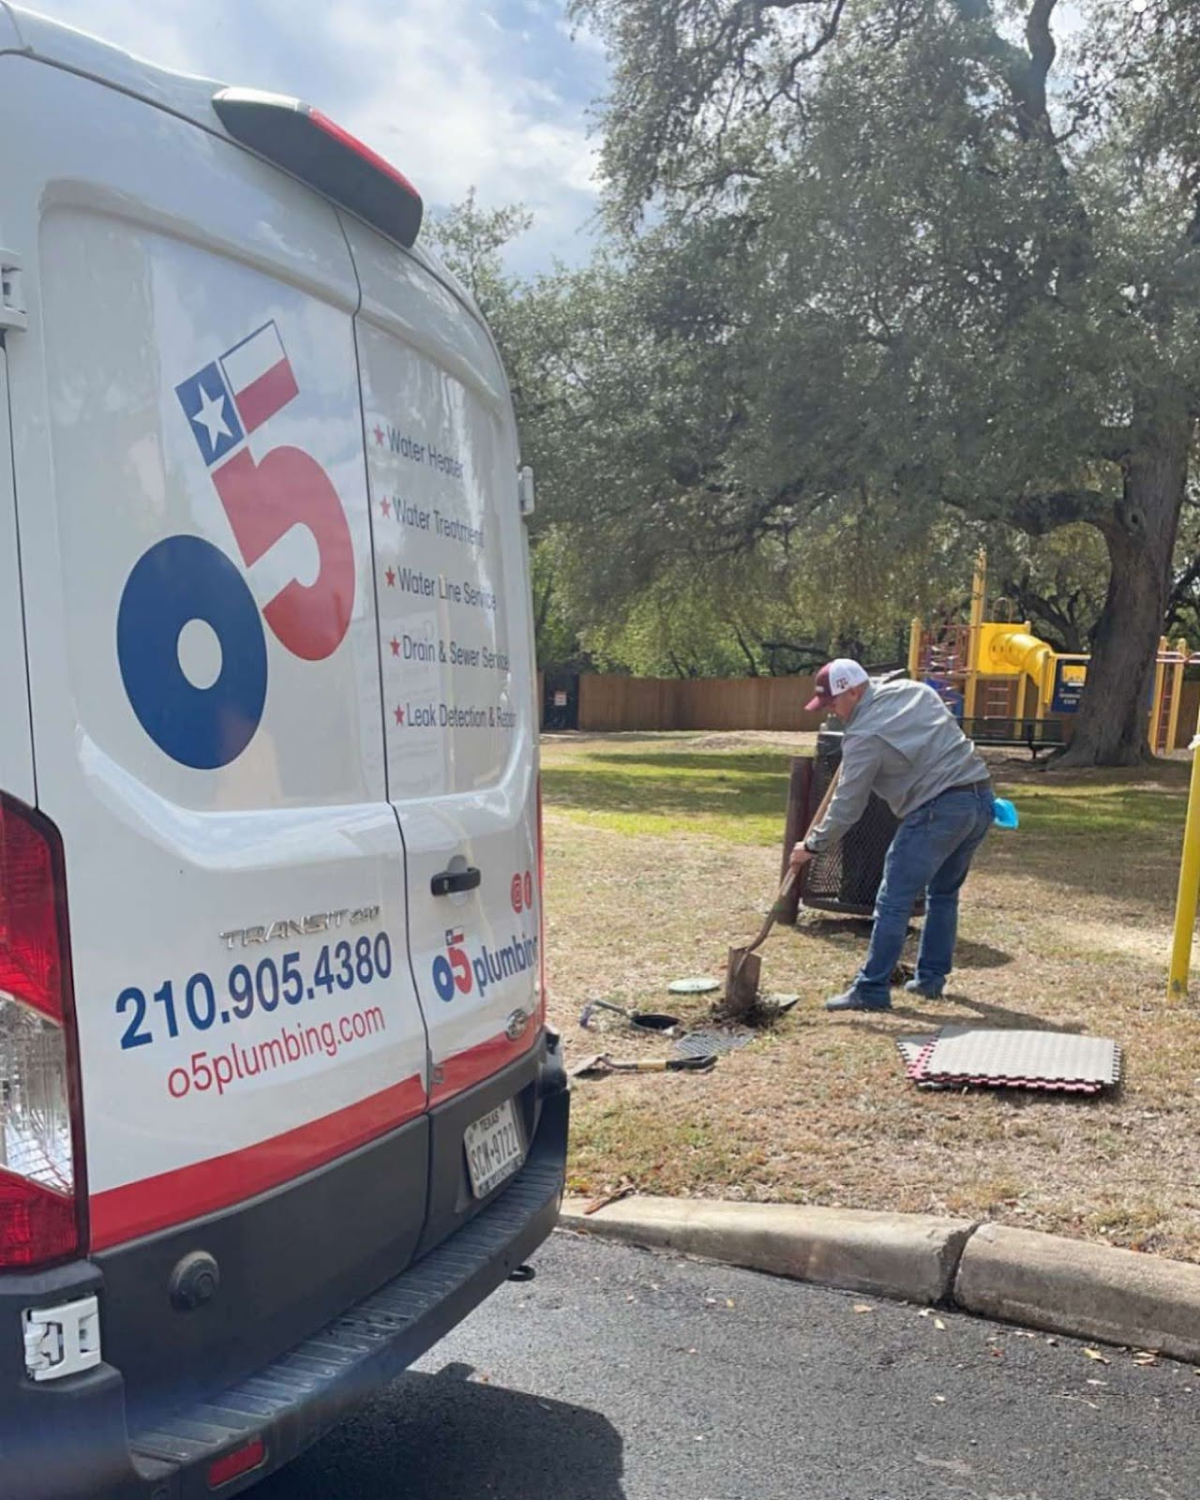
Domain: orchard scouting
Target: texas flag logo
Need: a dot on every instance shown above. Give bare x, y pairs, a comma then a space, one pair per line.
235, 394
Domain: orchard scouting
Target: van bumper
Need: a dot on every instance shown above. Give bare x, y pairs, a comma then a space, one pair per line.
68, 1441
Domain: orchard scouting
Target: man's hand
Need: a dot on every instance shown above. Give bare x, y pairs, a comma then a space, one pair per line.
800, 857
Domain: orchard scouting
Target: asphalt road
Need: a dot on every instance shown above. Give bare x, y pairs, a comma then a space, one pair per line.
620, 1375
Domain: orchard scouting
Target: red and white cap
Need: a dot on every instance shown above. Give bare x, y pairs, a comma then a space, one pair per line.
836, 676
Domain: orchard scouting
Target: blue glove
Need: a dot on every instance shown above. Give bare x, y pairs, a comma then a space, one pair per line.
1005, 814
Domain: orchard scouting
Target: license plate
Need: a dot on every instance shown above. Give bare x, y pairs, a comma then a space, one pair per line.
494, 1149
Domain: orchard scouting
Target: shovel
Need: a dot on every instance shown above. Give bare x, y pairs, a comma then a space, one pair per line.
641, 1020
744, 966
599, 1065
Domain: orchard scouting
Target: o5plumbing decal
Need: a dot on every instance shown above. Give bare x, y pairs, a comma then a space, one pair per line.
185, 578
459, 972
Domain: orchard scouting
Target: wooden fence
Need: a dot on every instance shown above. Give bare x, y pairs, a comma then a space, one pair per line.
655, 703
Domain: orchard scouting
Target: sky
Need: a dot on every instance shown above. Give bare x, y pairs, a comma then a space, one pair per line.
456, 94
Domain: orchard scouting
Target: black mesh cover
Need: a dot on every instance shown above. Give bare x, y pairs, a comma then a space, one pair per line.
847, 877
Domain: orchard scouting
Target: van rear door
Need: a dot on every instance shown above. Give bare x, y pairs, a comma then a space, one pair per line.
204, 670
451, 577
16, 749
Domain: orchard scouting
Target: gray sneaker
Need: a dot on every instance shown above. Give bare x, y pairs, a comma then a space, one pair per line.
926, 991
852, 1000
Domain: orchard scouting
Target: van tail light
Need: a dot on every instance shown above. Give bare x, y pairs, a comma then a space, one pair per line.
311, 146
541, 872
41, 1194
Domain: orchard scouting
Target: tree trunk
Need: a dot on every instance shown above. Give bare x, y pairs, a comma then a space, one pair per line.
1113, 721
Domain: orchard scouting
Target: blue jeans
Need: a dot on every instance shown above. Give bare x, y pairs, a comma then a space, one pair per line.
932, 852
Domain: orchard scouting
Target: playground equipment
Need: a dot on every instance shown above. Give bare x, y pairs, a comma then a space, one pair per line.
1008, 687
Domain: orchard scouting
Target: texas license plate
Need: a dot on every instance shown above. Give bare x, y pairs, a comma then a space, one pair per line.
494, 1148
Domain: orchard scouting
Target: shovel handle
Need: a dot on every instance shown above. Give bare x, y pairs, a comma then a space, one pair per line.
617, 1010
789, 880
823, 805
664, 1064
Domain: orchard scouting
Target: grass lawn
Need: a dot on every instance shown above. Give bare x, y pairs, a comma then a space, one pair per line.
662, 850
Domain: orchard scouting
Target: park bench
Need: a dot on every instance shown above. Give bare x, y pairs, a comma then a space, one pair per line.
1034, 735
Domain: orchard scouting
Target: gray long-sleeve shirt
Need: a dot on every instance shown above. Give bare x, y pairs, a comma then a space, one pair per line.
902, 743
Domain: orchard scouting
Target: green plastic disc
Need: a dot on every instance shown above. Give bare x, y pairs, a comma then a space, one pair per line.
693, 986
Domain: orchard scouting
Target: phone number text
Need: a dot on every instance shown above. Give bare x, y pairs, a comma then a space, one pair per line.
203, 1002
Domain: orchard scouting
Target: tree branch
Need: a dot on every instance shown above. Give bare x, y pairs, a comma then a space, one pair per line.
1042, 52
1115, 443
1025, 73
1040, 514
751, 659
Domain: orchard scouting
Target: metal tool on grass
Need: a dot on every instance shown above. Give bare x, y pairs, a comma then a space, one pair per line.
599, 1065
640, 1020
744, 967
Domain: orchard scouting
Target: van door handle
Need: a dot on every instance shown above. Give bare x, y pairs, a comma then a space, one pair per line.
449, 882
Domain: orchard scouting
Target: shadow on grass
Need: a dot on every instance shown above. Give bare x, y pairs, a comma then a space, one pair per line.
619, 736
1134, 862
967, 954
1086, 813
998, 1017
1079, 835
1014, 770
971, 955
681, 785
702, 762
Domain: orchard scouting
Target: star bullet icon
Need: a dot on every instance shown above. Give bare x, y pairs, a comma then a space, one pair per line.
385, 505
378, 435
399, 712
390, 575
395, 645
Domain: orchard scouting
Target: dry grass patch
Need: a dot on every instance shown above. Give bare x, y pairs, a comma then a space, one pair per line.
661, 851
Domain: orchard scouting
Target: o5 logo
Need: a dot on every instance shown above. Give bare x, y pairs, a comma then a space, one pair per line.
452, 970
185, 578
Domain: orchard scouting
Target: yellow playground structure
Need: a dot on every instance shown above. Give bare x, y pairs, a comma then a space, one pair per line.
1010, 688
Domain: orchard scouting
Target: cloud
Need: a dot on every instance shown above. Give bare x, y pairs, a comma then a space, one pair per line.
455, 95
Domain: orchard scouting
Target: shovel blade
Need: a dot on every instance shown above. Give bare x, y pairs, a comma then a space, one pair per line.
595, 1066
741, 981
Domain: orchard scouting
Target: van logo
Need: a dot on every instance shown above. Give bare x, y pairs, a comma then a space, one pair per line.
518, 1024
452, 970
461, 972
182, 579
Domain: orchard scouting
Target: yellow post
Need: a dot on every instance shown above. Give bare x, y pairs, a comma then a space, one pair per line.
914, 649
1176, 694
1189, 884
978, 605
1045, 688
1156, 700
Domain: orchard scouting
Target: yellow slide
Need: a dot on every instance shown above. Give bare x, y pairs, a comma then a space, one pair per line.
1011, 648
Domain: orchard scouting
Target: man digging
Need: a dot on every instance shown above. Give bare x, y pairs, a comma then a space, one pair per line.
902, 743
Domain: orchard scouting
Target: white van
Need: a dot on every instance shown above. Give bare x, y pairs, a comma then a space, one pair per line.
278, 1105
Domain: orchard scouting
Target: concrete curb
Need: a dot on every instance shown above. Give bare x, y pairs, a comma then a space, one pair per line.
1040, 1280
913, 1256
1092, 1291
